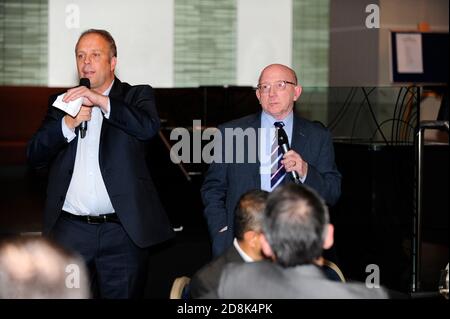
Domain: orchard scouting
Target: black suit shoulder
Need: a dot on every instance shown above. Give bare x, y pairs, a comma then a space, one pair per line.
242, 121
207, 278
312, 127
120, 88
127, 86
315, 127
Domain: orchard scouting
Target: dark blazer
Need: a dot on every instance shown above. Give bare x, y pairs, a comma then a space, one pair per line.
267, 280
133, 121
206, 280
225, 182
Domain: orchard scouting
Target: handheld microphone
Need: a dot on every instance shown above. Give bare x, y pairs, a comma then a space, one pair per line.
283, 143
83, 127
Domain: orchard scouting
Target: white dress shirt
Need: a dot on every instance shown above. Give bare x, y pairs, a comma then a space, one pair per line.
87, 194
242, 253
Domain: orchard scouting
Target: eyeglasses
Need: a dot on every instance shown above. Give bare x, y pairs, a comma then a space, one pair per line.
278, 86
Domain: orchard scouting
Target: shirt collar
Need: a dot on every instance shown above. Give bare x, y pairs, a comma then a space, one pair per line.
267, 120
242, 253
106, 92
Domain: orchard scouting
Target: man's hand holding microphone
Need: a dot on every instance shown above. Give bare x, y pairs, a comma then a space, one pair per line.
90, 98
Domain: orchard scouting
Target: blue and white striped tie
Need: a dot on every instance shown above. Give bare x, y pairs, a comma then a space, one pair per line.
277, 171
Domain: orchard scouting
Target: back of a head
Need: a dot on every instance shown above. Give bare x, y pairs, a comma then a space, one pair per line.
294, 224
36, 268
249, 212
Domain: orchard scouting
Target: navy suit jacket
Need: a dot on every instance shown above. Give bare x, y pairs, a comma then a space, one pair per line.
225, 183
133, 121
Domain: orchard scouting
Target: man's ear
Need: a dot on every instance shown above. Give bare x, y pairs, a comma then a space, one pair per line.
297, 91
258, 95
113, 63
265, 247
329, 237
250, 236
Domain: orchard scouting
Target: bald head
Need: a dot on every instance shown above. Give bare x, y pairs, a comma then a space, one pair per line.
292, 77
278, 90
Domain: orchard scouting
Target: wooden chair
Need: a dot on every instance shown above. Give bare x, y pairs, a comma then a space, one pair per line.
333, 268
178, 287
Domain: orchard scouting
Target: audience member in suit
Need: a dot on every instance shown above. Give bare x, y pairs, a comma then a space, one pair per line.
311, 155
246, 245
295, 230
36, 268
101, 201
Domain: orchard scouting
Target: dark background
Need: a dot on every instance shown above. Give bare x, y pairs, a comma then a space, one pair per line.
373, 218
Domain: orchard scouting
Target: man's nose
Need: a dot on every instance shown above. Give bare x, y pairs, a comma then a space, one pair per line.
272, 90
87, 59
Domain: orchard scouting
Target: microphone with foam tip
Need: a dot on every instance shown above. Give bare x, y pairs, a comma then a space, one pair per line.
83, 127
283, 143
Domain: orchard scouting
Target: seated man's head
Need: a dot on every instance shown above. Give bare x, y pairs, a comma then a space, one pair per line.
34, 267
247, 222
295, 226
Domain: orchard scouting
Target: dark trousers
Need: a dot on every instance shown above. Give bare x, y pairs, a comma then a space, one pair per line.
117, 266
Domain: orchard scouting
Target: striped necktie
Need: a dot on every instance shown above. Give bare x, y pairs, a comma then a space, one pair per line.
277, 171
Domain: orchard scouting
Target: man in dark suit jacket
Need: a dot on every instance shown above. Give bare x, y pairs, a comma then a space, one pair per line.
246, 245
295, 230
101, 201
311, 155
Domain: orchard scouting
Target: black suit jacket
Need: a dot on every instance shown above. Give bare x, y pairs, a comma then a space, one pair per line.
133, 121
225, 182
267, 280
206, 280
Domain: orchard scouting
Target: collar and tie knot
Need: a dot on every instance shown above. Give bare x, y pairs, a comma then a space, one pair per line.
279, 125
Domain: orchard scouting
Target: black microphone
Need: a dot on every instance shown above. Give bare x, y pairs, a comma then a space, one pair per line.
83, 128
283, 143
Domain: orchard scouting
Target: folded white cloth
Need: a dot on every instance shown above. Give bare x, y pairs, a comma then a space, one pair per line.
72, 108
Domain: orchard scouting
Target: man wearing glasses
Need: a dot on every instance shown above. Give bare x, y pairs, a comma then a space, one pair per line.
311, 156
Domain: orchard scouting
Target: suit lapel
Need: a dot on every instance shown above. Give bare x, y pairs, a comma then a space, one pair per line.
73, 147
116, 92
299, 138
